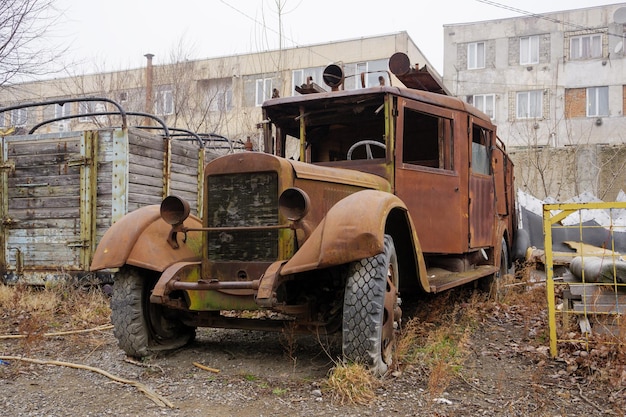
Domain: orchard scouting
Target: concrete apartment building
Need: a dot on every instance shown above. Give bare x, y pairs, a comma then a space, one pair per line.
550, 79
217, 95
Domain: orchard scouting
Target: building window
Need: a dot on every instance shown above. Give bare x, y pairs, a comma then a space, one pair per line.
528, 50
62, 111
164, 103
585, 46
476, 55
219, 94
19, 117
300, 77
597, 101
85, 107
529, 104
485, 103
263, 90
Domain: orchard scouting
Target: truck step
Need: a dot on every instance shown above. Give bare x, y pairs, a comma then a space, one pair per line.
441, 279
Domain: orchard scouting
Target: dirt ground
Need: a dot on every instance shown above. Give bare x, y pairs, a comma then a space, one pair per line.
506, 372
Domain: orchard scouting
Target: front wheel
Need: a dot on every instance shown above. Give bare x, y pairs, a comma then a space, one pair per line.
371, 311
141, 327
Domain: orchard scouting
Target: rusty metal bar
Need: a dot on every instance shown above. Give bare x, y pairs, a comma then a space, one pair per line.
235, 228
214, 285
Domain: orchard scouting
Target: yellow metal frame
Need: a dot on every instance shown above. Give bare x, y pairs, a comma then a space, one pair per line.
553, 214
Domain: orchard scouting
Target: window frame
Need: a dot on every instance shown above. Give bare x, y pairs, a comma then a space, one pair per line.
90, 107
482, 108
266, 92
531, 50
19, 117
579, 55
299, 77
474, 53
164, 102
594, 100
529, 94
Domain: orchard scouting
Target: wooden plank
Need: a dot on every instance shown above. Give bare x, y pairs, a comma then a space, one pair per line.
184, 187
50, 180
60, 147
139, 160
30, 203
148, 141
136, 182
49, 235
43, 159
42, 191
189, 170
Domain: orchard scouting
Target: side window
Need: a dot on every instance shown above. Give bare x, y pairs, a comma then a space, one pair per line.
480, 146
427, 140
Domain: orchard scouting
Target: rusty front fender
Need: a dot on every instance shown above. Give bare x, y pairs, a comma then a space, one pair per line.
140, 239
353, 229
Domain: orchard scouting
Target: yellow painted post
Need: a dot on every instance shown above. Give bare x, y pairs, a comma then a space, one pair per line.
547, 233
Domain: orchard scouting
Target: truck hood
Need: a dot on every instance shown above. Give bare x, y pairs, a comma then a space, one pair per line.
339, 176
258, 161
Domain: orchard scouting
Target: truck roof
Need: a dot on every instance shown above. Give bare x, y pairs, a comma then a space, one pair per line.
285, 106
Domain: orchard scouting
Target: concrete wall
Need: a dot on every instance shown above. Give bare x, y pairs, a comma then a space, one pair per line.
555, 74
562, 173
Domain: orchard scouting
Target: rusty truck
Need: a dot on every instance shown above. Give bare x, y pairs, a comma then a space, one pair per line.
359, 196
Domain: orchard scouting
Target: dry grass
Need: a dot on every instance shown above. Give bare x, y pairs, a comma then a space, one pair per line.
32, 311
436, 350
352, 384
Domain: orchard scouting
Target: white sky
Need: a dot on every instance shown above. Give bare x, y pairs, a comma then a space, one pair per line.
115, 34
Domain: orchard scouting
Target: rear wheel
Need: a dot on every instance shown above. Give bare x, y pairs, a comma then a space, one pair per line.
493, 284
141, 327
371, 312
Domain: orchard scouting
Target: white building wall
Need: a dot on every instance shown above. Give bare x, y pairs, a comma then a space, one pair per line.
553, 74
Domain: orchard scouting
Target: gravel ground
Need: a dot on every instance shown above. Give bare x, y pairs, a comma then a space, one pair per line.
506, 373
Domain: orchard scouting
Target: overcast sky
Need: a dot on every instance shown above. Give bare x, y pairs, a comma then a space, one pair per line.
115, 34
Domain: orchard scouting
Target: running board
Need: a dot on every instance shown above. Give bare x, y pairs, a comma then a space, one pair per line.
442, 279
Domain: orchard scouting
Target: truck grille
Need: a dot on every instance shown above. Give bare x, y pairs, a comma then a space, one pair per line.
243, 200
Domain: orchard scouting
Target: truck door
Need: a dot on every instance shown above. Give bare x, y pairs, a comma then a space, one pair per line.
481, 185
427, 178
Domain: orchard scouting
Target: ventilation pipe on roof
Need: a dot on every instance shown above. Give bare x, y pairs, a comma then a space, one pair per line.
149, 93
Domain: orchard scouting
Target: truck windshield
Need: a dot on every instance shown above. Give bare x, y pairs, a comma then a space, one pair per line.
349, 128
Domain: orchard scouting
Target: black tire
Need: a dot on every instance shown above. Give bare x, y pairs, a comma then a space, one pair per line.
371, 312
142, 328
493, 284
520, 245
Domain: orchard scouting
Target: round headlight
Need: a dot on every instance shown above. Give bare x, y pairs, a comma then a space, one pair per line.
174, 210
294, 203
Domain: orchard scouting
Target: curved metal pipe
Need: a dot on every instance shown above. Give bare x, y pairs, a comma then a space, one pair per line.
105, 113
61, 102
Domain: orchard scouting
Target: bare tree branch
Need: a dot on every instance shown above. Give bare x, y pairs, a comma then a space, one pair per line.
25, 38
